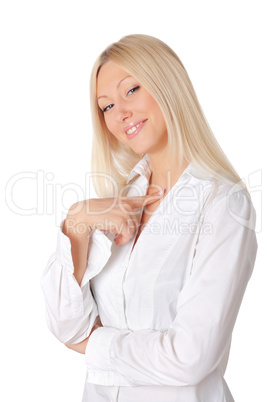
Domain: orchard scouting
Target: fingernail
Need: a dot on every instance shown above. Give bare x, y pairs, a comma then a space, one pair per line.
162, 191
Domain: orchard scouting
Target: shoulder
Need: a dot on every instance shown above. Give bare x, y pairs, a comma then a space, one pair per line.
231, 203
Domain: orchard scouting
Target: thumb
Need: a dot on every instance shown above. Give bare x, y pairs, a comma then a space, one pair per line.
150, 198
138, 202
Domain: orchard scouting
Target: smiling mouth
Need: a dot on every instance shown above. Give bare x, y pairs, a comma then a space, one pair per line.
132, 130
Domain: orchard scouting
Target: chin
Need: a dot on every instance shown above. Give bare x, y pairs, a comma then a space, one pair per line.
139, 150
140, 147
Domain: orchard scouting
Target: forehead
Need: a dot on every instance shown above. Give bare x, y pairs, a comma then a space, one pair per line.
109, 76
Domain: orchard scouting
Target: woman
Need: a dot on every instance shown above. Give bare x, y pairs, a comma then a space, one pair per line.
147, 280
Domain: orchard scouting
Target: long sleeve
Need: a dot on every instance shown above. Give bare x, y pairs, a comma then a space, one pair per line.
71, 310
207, 307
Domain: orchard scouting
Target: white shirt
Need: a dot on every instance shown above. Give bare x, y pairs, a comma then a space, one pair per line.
168, 307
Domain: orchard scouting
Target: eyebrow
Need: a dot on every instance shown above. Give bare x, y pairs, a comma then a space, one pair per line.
105, 96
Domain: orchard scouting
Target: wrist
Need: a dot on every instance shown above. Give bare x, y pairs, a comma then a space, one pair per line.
74, 229
94, 328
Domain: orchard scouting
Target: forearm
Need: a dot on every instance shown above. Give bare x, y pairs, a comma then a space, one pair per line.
79, 236
70, 307
79, 347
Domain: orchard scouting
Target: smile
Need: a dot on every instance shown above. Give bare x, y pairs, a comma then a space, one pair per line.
131, 130
134, 129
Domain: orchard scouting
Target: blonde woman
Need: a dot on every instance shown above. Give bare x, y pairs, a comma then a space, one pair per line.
147, 280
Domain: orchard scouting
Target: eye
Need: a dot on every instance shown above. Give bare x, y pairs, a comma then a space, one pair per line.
106, 108
133, 90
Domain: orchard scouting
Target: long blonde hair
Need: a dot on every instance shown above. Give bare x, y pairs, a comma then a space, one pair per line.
159, 70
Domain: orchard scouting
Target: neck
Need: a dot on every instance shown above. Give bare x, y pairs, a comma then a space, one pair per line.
163, 173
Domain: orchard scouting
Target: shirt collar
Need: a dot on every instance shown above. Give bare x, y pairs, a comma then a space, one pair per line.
143, 168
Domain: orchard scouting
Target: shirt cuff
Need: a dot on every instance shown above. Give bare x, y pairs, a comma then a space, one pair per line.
99, 253
63, 249
98, 358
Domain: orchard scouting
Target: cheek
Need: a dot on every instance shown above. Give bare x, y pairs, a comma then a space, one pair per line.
152, 106
159, 119
110, 125
114, 129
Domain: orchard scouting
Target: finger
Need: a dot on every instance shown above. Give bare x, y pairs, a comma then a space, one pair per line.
134, 223
138, 202
125, 224
126, 231
133, 214
129, 228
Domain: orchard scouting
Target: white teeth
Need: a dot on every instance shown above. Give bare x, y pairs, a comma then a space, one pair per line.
131, 130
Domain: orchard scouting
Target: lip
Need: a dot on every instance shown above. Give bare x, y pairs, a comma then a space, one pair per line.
130, 136
126, 128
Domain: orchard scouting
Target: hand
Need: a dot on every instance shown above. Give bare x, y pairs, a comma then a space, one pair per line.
81, 346
98, 324
115, 215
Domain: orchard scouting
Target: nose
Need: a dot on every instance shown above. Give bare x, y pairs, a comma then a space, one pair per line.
123, 111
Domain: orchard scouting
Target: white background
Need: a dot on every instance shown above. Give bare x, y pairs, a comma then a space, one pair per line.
47, 51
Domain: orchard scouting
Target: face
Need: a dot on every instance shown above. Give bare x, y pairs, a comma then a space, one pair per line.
130, 112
